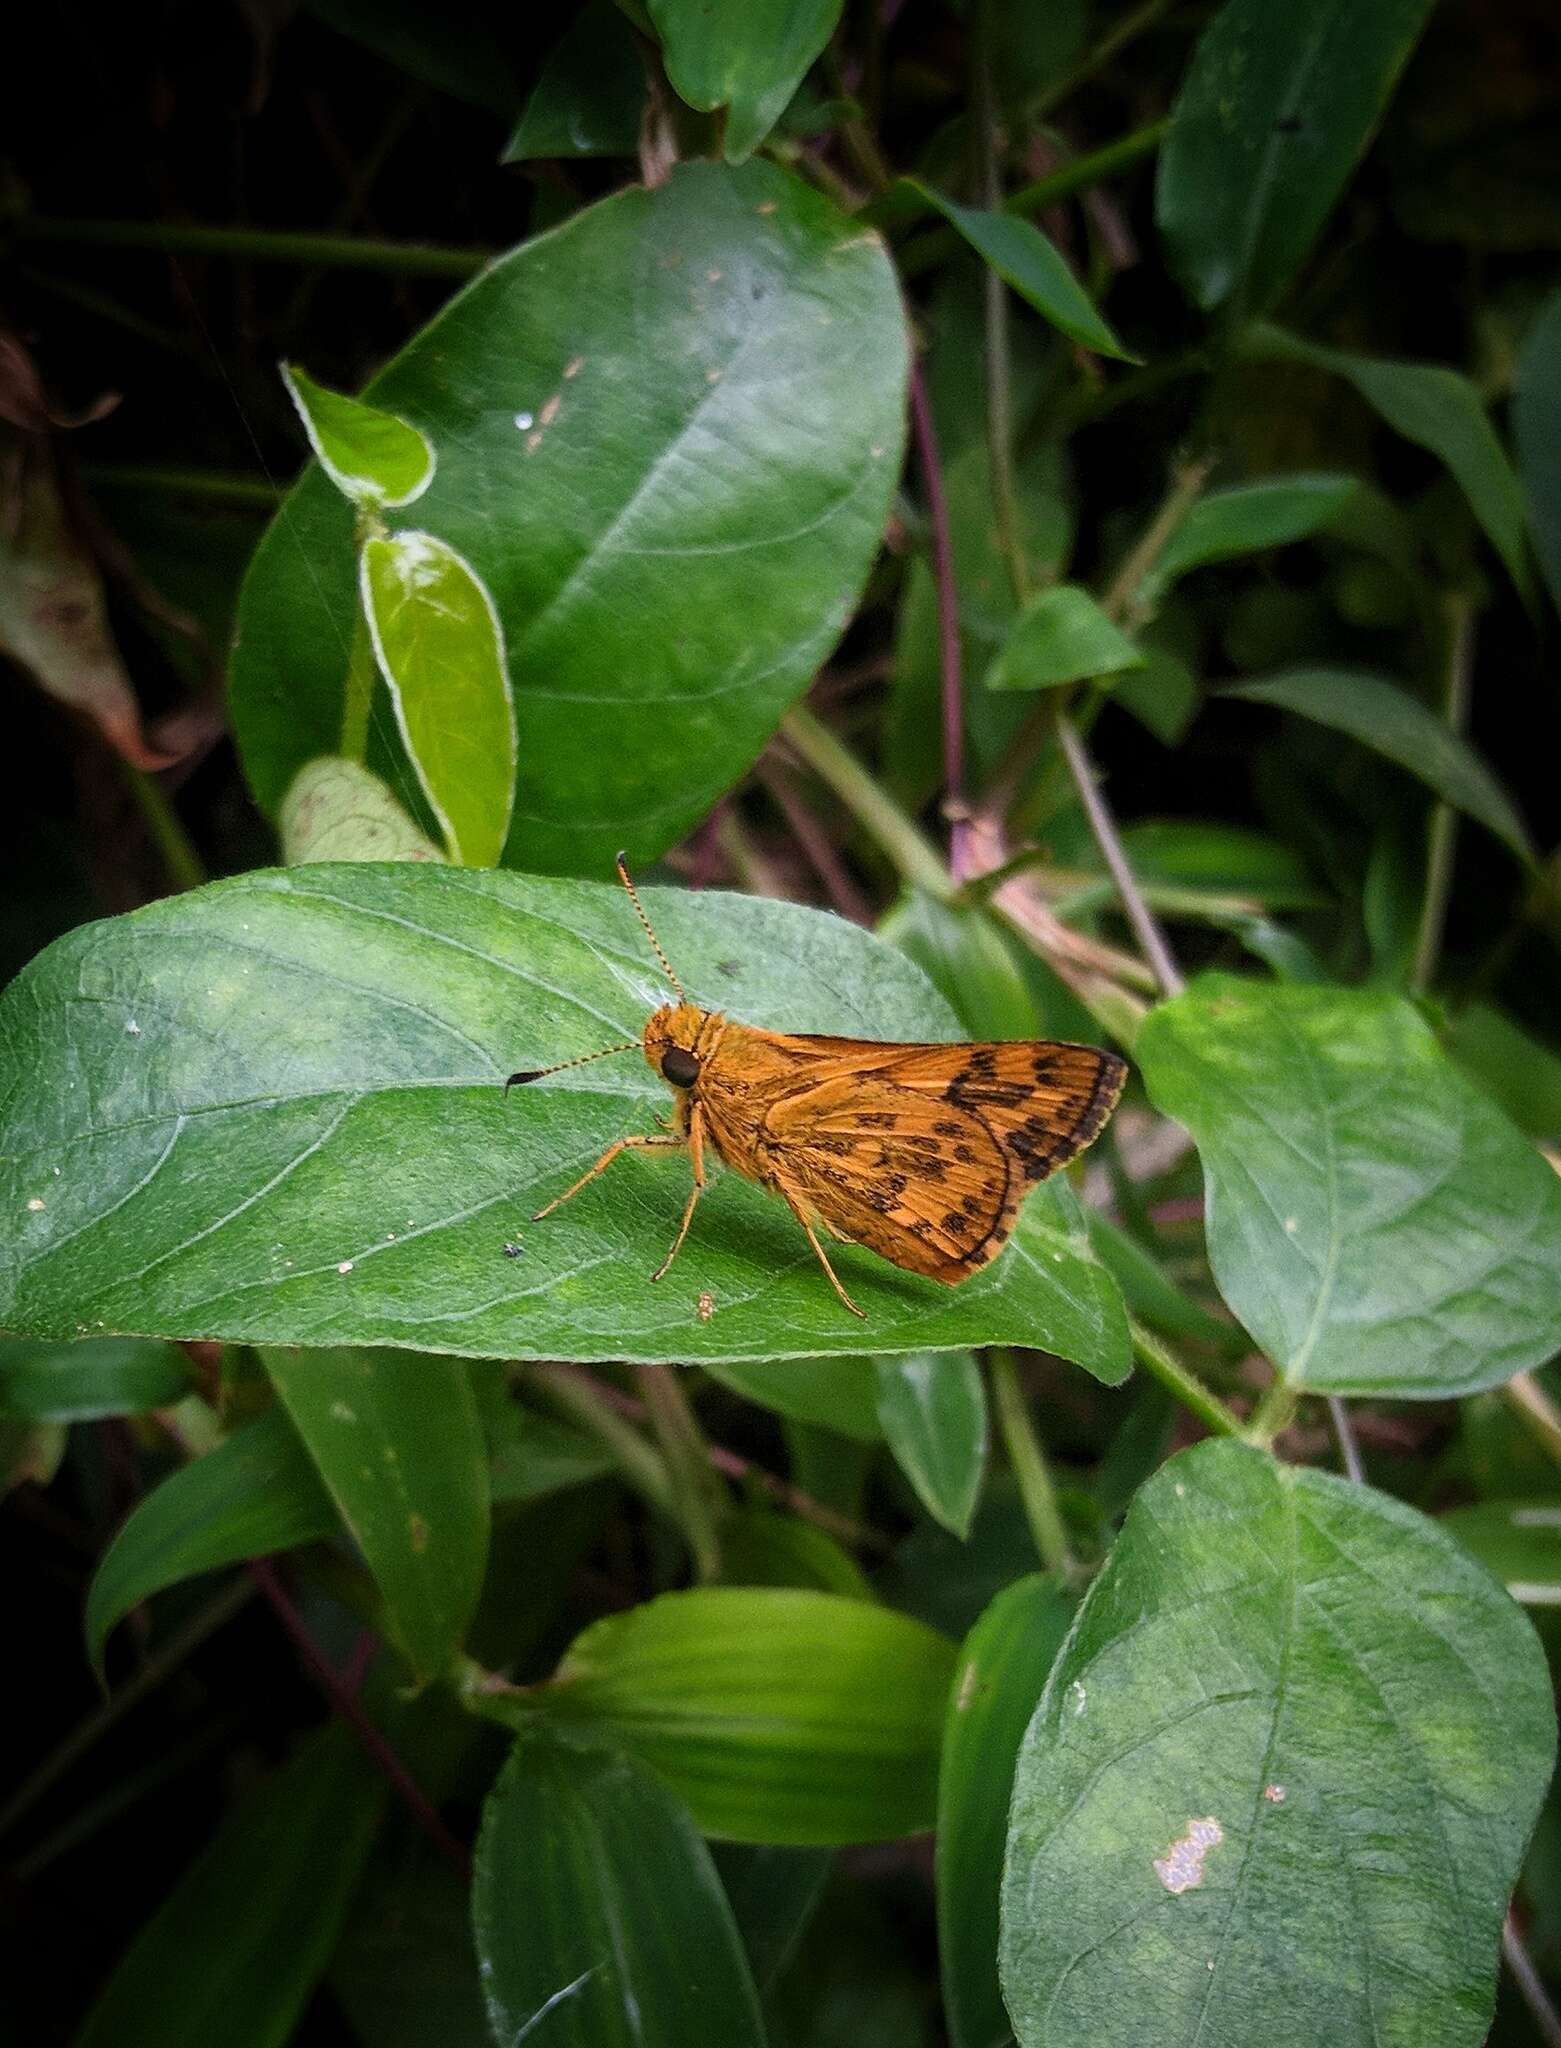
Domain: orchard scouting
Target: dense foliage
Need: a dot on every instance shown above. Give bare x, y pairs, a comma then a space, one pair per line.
1022, 522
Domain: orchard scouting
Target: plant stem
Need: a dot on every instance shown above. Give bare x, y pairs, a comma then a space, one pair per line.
1028, 1462
1535, 1406
688, 1467
1179, 1380
1119, 599
1103, 825
186, 869
1116, 38
1344, 1436
357, 697
1547, 2022
951, 677
214, 486
256, 245
1442, 841
1274, 1412
576, 1395
347, 1708
873, 808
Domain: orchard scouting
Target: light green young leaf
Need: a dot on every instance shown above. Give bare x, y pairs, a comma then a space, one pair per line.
777, 1715
375, 459
932, 1406
1276, 108
239, 1943
1438, 410
1028, 261
1245, 519
307, 1140
396, 1438
1296, 1733
599, 1917
440, 648
1388, 720
1061, 636
256, 1493
339, 810
748, 59
1373, 1219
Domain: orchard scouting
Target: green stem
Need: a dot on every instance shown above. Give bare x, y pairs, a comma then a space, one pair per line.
1145, 927
1178, 1379
186, 869
256, 245
1116, 38
1524, 1393
575, 1395
1442, 843
1274, 1412
687, 1457
357, 700
214, 486
1028, 1463
874, 810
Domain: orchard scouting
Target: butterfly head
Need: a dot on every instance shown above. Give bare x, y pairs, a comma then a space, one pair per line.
673, 1036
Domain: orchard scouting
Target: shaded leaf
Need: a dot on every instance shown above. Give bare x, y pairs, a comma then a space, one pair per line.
773, 1894
833, 1392
307, 1137
1287, 1703
1507, 1062
396, 1438
669, 557
762, 1548
340, 810
373, 458
599, 1917
257, 1492
1275, 110
1536, 427
1246, 519
440, 648
82, 1382
1061, 636
1391, 722
778, 1716
748, 59
589, 94
932, 1406
1373, 1219
969, 960
1518, 1542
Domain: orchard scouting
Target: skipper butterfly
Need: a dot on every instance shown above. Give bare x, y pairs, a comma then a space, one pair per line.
922, 1153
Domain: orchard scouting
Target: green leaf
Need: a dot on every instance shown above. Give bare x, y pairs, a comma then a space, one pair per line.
589, 94
967, 958
762, 1548
396, 1438
1295, 1733
340, 810
832, 1392
237, 1946
404, 1970
1275, 110
1373, 1219
1392, 723
1195, 853
1536, 428
440, 648
374, 459
1523, 1075
1152, 1295
773, 1893
670, 559
256, 1493
748, 59
1518, 1542
933, 1409
778, 1716
599, 1917
1162, 695
1031, 263
531, 1455
1061, 636
82, 1382
1000, 1676
1246, 519
307, 1139
1436, 409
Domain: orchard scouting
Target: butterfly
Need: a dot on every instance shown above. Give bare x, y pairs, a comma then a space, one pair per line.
922, 1153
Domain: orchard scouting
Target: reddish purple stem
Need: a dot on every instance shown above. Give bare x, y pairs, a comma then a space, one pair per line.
953, 686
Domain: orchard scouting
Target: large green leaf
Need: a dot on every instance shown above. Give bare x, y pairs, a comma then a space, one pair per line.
1392, 723
42, 1382
1002, 1671
307, 1140
1536, 427
235, 1949
1274, 111
1246, 518
396, 1438
599, 1916
257, 1492
616, 410
1281, 1779
1437, 409
748, 59
1374, 1220
932, 1406
778, 1715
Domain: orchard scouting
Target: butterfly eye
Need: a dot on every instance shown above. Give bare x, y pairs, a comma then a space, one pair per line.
680, 1067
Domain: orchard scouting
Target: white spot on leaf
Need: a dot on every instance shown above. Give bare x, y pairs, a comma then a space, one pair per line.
132, 1028
1077, 1696
345, 1266
1275, 1794
523, 420
36, 1202
1181, 1868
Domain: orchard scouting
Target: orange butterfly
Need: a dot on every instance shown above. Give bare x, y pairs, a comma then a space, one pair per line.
920, 1152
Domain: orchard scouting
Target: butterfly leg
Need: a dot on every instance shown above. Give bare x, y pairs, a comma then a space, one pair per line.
634, 1144
799, 1210
696, 1146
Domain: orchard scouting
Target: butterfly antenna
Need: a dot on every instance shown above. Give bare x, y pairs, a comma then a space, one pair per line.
650, 931
585, 1058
